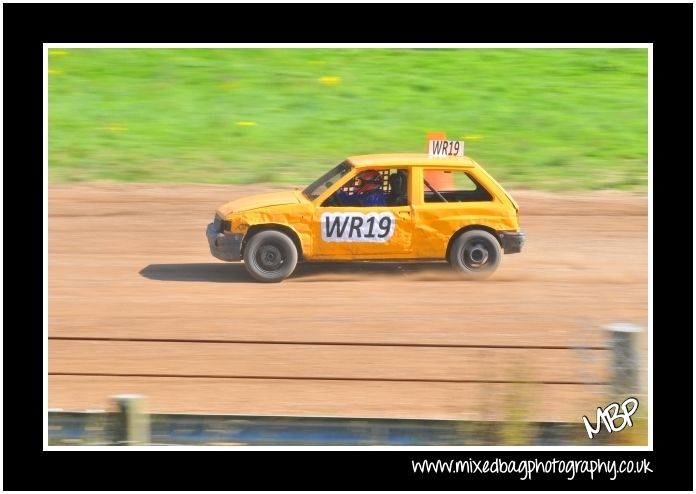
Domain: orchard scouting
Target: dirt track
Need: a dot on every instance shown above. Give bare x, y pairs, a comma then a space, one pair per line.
138, 304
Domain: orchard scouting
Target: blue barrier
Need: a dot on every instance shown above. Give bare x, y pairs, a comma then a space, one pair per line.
98, 428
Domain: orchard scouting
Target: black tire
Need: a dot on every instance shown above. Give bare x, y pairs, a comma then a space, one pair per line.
270, 256
476, 254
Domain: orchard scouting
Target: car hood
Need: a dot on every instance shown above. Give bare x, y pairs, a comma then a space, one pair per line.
260, 201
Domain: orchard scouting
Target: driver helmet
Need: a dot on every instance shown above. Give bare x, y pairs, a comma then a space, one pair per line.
368, 181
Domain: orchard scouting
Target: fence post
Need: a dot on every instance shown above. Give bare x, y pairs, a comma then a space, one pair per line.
625, 357
132, 425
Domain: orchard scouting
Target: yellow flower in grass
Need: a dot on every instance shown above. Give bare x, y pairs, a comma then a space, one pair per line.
115, 127
330, 80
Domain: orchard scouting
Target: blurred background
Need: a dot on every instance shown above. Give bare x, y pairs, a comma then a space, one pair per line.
542, 118
145, 144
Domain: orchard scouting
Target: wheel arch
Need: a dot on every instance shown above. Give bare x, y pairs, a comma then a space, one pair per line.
467, 229
290, 232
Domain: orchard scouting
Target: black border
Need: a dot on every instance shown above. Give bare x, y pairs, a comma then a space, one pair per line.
27, 26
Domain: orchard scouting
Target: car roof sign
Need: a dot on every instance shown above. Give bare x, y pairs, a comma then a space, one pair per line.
444, 147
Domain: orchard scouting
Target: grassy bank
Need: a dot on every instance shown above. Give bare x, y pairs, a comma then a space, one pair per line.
551, 119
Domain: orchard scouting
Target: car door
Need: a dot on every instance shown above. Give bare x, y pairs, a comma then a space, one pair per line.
363, 232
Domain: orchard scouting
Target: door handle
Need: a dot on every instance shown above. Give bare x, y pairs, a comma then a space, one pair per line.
405, 214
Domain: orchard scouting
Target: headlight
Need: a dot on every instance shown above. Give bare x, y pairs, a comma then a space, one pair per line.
222, 225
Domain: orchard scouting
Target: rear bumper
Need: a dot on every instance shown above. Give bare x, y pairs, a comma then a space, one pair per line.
224, 245
512, 242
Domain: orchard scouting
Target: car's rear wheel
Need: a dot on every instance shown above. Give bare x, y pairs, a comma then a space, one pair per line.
270, 256
475, 253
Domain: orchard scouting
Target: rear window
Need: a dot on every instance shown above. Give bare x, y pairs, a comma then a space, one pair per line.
453, 186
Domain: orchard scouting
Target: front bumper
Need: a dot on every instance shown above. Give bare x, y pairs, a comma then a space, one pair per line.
512, 242
224, 245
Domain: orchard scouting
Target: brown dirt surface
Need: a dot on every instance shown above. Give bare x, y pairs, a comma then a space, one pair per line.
137, 304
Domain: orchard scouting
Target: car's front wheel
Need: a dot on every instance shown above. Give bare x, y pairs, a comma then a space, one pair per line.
270, 256
475, 253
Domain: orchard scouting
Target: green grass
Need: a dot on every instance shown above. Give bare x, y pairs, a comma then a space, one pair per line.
553, 119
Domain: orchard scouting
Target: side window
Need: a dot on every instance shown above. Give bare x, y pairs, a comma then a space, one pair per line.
373, 187
453, 186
